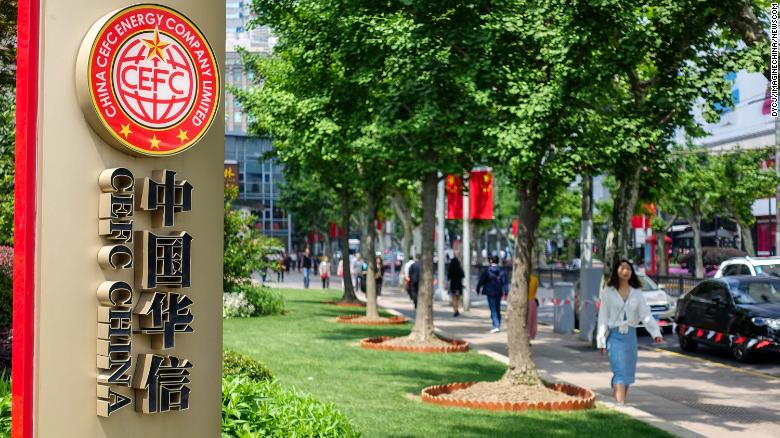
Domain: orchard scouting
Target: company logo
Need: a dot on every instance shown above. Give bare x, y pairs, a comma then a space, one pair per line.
148, 80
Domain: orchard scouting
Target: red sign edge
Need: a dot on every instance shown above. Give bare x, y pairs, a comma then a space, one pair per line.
23, 365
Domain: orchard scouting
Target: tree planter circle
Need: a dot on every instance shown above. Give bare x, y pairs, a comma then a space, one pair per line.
380, 343
362, 320
345, 303
438, 395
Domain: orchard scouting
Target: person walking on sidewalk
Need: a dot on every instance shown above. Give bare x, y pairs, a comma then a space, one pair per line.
379, 274
623, 308
355, 267
325, 272
455, 276
533, 307
414, 279
494, 285
307, 265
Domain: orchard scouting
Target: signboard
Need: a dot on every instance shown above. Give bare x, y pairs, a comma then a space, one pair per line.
117, 319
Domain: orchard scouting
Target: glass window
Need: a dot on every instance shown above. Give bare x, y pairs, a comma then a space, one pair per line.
744, 270
761, 291
237, 117
730, 270
237, 76
773, 270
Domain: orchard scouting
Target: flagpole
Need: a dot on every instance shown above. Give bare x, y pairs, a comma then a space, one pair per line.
466, 247
440, 239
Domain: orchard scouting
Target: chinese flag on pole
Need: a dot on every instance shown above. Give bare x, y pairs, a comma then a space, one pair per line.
454, 189
515, 226
481, 194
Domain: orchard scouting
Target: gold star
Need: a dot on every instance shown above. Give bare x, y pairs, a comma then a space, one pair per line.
182, 135
126, 130
155, 46
155, 142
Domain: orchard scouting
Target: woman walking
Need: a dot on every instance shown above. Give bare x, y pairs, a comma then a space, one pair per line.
379, 274
325, 272
623, 308
455, 275
493, 283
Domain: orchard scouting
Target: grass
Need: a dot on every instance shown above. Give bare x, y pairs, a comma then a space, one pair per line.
377, 390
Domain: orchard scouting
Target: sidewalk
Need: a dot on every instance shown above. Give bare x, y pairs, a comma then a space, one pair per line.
683, 396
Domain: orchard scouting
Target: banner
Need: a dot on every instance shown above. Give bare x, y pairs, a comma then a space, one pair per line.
454, 189
481, 194
336, 231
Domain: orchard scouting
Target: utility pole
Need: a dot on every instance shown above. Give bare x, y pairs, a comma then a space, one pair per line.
466, 247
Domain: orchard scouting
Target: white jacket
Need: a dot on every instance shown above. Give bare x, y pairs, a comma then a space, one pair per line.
613, 309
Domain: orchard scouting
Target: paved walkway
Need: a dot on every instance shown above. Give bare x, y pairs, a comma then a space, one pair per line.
685, 396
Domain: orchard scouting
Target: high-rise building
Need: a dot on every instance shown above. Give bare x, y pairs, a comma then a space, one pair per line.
258, 178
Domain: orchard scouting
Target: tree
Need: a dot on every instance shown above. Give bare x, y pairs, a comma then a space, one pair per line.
695, 195
544, 78
742, 180
670, 54
313, 204
245, 249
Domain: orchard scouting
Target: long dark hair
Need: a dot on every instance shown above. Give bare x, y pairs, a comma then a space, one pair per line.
614, 281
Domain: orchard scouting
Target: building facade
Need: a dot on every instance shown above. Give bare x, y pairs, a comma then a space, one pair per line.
258, 178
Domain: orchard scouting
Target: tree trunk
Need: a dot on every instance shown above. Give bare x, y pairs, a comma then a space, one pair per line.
349, 290
660, 253
328, 250
695, 222
404, 214
747, 239
423, 322
364, 227
623, 208
371, 308
522, 369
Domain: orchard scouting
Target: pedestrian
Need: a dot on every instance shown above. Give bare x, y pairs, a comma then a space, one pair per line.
363, 275
533, 306
294, 260
287, 261
325, 272
455, 275
379, 274
407, 282
354, 269
414, 279
280, 268
307, 265
623, 308
492, 283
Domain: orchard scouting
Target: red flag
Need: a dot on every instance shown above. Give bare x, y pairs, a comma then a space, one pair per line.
481, 195
454, 189
336, 231
515, 226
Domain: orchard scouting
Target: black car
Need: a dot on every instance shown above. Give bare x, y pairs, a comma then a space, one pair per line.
740, 313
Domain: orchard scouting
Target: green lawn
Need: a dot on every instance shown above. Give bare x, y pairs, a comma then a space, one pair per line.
376, 390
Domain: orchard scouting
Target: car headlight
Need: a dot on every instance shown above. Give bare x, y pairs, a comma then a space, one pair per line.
774, 324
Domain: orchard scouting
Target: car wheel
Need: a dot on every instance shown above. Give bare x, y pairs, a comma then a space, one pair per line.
686, 344
739, 353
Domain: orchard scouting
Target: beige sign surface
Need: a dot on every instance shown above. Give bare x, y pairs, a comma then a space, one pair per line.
88, 296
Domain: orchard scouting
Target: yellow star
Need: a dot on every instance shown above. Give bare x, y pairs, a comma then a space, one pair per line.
182, 135
155, 142
155, 46
126, 130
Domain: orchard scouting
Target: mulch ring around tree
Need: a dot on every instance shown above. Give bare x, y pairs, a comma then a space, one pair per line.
437, 345
502, 396
364, 320
345, 303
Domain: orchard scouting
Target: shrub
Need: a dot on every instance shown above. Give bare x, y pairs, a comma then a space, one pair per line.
6, 285
236, 305
265, 300
237, 364
252, 408
711, 255
5, 405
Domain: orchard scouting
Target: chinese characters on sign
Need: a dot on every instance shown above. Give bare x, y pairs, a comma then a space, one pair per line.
161, 263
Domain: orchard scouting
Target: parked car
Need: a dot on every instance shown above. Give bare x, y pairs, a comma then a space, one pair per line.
749, 266
746, 306
662, 306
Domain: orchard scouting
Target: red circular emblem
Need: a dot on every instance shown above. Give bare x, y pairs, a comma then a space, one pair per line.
149, 80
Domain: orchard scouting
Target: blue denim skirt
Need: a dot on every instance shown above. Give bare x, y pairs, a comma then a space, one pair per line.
622, 351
